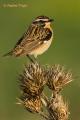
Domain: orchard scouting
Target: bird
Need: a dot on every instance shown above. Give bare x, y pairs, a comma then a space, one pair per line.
35, 40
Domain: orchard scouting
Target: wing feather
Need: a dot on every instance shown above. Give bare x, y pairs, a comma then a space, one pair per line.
33, 38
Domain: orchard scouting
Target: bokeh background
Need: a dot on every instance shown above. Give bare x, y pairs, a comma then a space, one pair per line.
65, 50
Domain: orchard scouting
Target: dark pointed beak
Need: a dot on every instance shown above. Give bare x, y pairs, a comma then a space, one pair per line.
51, 20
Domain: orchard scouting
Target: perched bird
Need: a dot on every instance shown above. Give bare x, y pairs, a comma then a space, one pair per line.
36, 40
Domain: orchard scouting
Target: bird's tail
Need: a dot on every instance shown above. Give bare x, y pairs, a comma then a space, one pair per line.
8, 54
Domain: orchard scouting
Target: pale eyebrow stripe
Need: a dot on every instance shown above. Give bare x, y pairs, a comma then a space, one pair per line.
42, 19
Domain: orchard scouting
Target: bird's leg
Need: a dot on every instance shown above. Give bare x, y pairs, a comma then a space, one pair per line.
31, 59
35, 58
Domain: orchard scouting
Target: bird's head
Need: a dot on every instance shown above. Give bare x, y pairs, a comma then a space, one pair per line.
43, 21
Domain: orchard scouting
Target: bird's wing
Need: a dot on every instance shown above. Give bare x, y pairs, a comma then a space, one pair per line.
33, 38
24, 37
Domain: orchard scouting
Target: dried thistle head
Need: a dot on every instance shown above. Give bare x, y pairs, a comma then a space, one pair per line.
33, 104
57, 109
57, 77
32, 80
32, 83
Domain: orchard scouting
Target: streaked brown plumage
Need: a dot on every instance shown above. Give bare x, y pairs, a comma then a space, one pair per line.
35, 40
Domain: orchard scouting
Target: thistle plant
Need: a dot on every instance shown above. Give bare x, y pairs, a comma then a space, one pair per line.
32, 82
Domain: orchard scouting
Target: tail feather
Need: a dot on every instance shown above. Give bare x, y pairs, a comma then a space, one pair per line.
8, 54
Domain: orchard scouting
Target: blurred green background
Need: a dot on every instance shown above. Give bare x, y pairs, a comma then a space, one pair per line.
65, 50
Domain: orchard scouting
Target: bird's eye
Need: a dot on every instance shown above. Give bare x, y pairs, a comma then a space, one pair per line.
42, 21
36, 22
